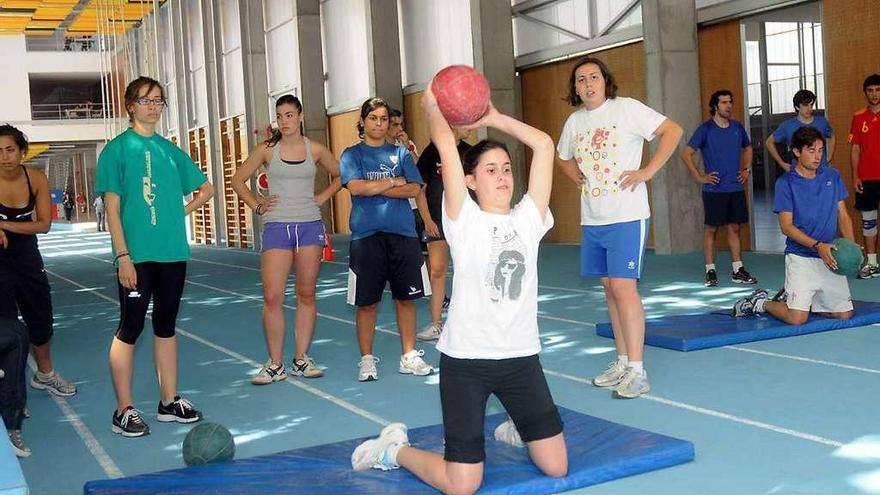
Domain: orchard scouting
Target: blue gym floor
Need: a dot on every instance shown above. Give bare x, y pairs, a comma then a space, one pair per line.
797, 415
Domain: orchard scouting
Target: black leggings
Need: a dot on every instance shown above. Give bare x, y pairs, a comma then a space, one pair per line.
161, 282
13, 359
24, 288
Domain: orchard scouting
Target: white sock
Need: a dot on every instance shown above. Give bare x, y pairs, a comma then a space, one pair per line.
872, 258
710, 266
624, 360
638, 366
392, 451
45, 377
737, 265
759, 306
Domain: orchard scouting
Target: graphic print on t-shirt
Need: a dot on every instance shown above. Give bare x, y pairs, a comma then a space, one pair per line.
149, 197
596, 155
385, 171
506, 269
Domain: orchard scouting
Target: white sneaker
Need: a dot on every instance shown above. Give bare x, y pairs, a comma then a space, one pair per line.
431, 331
632, 385
373, 453
270, 373
306, 367
18, 446
367, 368
611, 376
412, 363
507, 433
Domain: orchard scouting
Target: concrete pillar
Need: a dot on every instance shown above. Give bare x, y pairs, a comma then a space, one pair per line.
210, 45
673, 89
256, 83
383, 51
179, 33
311, 70
492, 34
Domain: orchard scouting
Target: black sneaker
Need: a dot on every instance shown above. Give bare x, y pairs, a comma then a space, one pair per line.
445, 303
741, 276
711, 278
181, 410
781, 296
130, 423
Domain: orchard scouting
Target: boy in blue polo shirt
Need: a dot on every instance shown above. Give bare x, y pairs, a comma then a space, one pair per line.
727, 159
810, 203
804, 101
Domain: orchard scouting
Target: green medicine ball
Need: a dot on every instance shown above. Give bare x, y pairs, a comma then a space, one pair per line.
208, 443
848, 255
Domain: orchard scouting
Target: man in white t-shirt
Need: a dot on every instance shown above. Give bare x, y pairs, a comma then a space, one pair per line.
601, 149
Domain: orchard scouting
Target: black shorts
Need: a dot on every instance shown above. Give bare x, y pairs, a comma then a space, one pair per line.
725, 208
386, 258
465, 386
869, 199
24, 288
420, 231
161, 282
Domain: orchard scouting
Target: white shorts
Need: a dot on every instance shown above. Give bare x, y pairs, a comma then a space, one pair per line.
811, 286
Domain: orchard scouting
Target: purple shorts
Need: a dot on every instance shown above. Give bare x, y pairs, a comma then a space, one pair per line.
293, 235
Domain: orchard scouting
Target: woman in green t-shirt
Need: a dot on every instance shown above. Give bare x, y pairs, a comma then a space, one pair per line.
144, 178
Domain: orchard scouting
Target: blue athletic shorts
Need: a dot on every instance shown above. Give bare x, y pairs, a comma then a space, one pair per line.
291, 236
616, 250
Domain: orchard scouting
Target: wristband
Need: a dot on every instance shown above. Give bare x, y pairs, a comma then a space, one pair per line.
120, 255
259, 209
815, 246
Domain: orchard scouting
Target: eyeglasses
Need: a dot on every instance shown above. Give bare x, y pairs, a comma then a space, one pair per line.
510, 264
155, 101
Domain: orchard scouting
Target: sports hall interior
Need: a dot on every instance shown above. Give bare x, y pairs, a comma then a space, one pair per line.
793, 415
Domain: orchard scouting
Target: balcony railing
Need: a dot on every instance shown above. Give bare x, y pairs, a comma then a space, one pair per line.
62, 43
64, 111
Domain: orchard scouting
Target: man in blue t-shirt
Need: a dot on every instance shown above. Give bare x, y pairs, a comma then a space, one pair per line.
810, 203
727, 160
384, 249
804, 101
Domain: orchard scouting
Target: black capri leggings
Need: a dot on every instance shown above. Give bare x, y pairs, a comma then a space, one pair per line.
161, 282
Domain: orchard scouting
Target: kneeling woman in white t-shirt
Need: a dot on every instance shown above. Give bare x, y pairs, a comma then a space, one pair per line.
490, 341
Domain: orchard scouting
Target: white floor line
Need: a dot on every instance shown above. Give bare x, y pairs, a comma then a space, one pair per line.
244, 359
803, 359
717, 414
97, 450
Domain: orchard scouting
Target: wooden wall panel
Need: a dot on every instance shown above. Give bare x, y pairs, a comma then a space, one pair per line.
852, 52
544, 92
721, 68
343, 133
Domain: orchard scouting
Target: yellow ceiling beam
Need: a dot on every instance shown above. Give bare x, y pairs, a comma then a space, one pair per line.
34, 150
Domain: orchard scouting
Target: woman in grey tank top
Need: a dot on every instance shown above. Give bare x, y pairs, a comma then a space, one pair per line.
293, 233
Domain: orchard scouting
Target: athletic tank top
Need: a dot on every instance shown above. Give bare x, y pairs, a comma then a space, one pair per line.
24, 214
294, 184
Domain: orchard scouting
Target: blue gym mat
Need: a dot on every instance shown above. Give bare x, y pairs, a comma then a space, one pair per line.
716, 329
598, 450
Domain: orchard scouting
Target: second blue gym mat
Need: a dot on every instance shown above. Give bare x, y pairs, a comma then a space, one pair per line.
598, 451
716, 329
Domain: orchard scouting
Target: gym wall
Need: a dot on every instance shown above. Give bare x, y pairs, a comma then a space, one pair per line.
343, 133
852, 52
